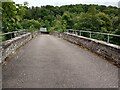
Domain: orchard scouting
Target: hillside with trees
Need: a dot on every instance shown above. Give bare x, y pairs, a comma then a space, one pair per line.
79, 17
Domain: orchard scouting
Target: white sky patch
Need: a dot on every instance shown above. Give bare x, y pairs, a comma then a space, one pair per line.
68, 2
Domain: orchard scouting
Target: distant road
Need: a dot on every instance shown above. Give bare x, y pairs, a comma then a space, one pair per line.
50, 62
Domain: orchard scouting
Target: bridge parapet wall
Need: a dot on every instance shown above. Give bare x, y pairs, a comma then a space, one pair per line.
10, 46
108, 51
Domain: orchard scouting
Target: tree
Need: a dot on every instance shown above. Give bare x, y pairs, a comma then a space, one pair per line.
12, 14
105, 22
58, 24
68, 18
28, 23
92, 10
26, 3
87, 22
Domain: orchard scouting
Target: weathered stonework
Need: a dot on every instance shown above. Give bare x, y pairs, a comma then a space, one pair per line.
34, 34
10, 46
108, 51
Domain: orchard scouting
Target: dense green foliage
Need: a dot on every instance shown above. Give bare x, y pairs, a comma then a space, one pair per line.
81, 17
87, 17
13, 17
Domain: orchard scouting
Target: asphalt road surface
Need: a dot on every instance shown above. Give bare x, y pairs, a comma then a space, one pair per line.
50, 62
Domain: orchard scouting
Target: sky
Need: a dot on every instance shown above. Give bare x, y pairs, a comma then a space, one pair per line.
68, 2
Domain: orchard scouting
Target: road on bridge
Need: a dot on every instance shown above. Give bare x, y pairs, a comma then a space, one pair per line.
50, 62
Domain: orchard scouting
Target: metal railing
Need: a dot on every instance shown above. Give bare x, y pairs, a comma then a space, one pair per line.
10, 35
107, 37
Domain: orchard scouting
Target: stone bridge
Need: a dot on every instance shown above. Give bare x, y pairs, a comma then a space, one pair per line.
50, 61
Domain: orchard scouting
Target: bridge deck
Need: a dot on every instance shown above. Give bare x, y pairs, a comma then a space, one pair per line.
50, 62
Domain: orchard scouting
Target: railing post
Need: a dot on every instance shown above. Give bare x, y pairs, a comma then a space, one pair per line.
80, 33
67, 30
15, 34
108, 38
74, 31
11, 35
90, 35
